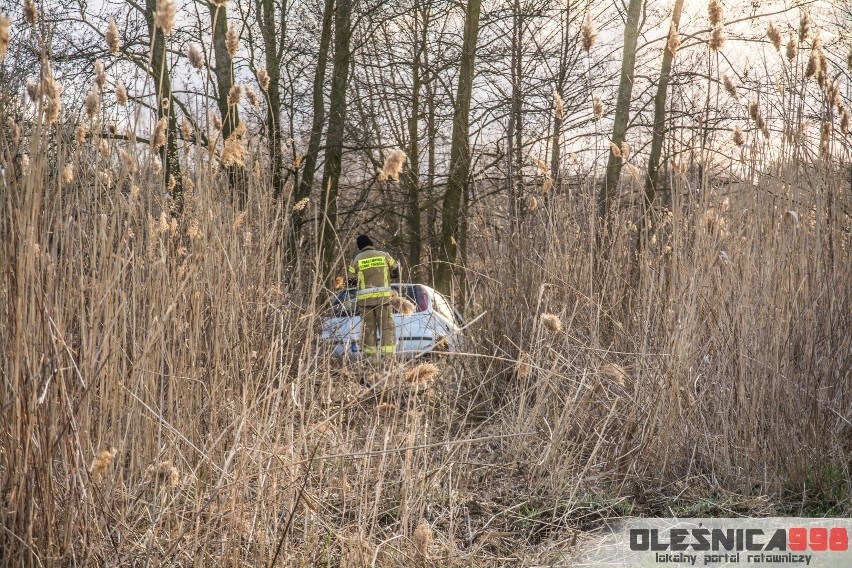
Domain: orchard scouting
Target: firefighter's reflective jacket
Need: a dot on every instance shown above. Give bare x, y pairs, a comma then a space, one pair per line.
373, 270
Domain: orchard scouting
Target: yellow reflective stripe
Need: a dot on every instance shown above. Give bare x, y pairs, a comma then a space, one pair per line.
372, 262
369, 350
351, 269
388, 348
368, 295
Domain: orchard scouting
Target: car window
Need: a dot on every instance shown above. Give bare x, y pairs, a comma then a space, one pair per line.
442, 306
344, 303
413, 295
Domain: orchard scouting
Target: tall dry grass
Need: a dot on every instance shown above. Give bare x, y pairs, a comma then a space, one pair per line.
166, 400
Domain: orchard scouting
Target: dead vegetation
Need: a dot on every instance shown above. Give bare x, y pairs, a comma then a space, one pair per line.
165, 398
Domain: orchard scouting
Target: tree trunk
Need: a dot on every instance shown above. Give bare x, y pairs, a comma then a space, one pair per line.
413, 178
224, 72
651, 182
517, 180
309, 167
606, 196
457, 184
567, 49
163, 87
334, 137
271, 47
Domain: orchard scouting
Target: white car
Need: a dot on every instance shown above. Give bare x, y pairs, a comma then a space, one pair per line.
435, 325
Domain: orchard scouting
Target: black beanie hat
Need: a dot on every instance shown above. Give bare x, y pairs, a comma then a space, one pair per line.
363, 241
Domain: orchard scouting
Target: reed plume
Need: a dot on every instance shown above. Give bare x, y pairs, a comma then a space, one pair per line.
233, 150
673, 43
158, 139
558, 105
588, 33
30, 12
597, 108
263, 79
792, 47
5, 35
738, 136
551, 322
422, 374
165, 16
393, 165
232, 41
100, 74
804, 25
774, 35
730, 88
715, 12
234, 95
195, 57
111, 36
121, 94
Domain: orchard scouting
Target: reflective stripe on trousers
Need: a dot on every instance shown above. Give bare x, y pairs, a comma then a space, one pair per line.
384, 349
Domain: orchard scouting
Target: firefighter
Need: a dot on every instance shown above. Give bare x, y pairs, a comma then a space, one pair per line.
373, 269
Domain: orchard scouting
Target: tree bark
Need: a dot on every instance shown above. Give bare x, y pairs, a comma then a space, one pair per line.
516, 195
224, 72
651, 182
567, 56
163, 87
309, 167
413, 178
457, 184
606, 196
334, 137
272, 49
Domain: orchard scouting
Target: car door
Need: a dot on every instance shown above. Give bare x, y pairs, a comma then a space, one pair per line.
342, 324
413, 331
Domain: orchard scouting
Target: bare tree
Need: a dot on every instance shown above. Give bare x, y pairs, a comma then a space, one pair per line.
658, 135
334, 135
161, 74
460, 155
303, 190
606, 196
